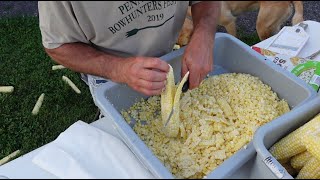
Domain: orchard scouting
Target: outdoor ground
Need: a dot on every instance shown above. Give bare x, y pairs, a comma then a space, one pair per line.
25, 65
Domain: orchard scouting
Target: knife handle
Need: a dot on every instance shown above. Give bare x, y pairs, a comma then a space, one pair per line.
185, 86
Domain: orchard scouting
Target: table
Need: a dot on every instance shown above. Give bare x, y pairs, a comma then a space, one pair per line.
23, 168
312, 45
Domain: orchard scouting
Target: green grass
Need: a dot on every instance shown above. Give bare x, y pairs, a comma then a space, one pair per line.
249, 39
25, 65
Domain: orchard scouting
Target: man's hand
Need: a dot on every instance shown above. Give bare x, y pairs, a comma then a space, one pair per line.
144, 74
198, 56
198, 59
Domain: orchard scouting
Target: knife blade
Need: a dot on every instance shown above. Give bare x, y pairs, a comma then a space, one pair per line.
170, 115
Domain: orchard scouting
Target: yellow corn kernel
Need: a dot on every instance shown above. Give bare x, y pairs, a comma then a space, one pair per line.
299, 160
292, 145
311, 170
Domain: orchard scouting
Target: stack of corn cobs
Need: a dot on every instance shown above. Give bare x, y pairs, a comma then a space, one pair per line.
299, 152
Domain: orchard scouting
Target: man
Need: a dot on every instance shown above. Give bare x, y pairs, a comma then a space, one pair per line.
123, 40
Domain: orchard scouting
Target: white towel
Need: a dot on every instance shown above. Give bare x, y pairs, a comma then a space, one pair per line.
85, 152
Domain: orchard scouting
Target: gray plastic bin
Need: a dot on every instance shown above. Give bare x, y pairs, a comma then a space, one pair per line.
272, 132
230, 55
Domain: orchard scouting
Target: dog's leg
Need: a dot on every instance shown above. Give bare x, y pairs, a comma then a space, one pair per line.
228, 21
298, 12
272, 15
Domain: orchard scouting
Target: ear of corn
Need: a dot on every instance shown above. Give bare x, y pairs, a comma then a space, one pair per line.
292, 145
311, 170
312, 143
167, 96
174, 124
298, 161
170, 98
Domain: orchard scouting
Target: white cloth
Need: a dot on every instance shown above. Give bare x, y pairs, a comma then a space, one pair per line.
85, 152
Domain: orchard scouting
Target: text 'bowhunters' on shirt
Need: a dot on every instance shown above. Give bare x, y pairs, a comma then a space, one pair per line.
125, 28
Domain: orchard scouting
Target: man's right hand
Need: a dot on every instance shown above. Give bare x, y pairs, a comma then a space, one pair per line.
144, 74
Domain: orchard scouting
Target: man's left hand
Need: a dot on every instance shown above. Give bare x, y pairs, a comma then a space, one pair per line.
198, 58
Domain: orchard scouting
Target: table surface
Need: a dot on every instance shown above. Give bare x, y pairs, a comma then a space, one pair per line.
23, 167
312, 45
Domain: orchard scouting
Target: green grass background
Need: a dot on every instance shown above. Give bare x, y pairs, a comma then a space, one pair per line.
25, 65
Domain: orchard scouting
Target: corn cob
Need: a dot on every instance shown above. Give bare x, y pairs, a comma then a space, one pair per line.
71, 84
6, 89
38, 104
10, 156
170, 98
56, 67
298, 161
312, 143
292, 145
167, 96
173, 129
311, 170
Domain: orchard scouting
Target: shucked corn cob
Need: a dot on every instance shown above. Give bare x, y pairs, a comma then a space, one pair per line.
176, 105
292, 145
170, 98
298, 161
311, 170
167, 98
312, 143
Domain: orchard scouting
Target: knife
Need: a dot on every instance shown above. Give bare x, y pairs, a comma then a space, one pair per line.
185, 86
170, 115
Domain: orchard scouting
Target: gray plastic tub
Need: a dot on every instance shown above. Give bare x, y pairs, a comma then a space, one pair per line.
272, 132
230, 55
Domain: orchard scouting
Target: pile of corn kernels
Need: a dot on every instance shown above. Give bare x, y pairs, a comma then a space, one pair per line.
218, 118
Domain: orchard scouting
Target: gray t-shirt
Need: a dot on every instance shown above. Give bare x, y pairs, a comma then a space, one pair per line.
124, 28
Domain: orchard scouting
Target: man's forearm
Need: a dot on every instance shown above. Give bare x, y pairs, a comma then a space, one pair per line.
205, 16
144, 74
82, 58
